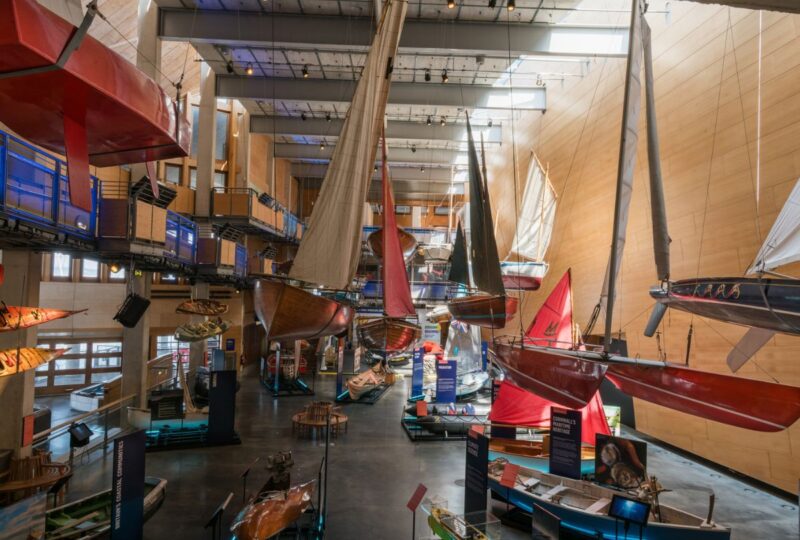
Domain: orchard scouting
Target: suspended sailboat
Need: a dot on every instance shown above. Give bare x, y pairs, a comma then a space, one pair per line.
572, 377
490, 307
392, 333
524, 267
766, 305
331, 248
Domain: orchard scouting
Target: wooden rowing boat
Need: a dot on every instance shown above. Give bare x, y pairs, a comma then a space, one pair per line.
388, 335
288, 312
89, 518
408, 244
202, 306
29, 358
202, 330
365, 381
272, 512
487, 311
448, 526
16, 317
534, 454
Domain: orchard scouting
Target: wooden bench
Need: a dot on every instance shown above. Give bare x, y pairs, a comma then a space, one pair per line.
313, 420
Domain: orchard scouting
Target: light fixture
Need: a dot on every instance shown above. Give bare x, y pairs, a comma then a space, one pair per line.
249, 69
375, 169
422, 168
303, 117
229, 67
305, 72
490, 122
114, 267
443, 121
511, 5
429, 121
427, 75
327, 117
539, 81
322, 145
451, 4
445, 78
413, 149
492, 3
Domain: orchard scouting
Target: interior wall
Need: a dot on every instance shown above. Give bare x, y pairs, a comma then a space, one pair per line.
706, 69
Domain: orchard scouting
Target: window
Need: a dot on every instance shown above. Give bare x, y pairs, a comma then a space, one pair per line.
172, 173
402, 209
221, 142
84, 362
220, 179
90, 270
116, 273
193, 177
195, 130
62, 266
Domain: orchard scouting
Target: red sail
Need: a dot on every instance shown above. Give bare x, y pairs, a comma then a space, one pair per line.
396, 290
518, 407
552, 326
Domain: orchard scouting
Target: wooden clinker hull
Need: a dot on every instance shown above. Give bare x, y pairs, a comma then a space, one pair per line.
389, 335
29, 358
265, 519
408, 244
16, 317
364, 382
532, 455
484, 310
208, 308
288, 312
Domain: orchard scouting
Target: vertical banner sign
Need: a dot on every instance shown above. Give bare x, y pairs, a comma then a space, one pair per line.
222, 407
484, 355
476, 476
446, 381
340, 372
565, 442
417, 371
127, 487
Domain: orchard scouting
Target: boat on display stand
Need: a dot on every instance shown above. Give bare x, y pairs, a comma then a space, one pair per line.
271, 512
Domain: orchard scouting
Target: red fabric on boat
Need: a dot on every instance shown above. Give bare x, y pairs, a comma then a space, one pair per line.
518, 407
431, 347
552, 326
396, 289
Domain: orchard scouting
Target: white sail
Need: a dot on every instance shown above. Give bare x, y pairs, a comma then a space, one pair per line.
464, 344
537, 214
331, 248
782, 245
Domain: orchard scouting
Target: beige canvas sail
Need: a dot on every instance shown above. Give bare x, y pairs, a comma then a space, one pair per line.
536, 216
331, 248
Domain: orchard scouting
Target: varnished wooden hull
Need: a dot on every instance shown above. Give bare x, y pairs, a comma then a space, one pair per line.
289, 312
484, 310
29, 358
263, 519
408, 244
189, 333
364, 382
388, 335
533, 455
209, 308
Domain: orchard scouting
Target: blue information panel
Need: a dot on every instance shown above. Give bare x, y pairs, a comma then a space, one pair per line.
484, 355
417, 369
127, 487
446, 381
565, 442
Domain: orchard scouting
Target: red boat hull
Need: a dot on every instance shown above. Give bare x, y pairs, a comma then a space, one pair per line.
566, 380
128, 118
388, 335
484, 310
522, 283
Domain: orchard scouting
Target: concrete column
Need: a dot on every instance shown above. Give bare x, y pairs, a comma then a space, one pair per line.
416, 216
198, 349
23, 273
136, 344
242, 146
206, 140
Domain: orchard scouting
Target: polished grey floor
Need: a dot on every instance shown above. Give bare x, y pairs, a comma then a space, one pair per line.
374, 469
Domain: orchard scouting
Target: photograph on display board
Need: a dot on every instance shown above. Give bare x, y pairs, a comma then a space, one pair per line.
620, 462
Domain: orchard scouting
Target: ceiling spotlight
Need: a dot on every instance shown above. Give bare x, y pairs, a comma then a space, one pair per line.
443, 121
429, 121
492, 3
422, 168
451, 4
490, 122
427, 75
327, 117
229, 67
303, 117
511, 5
114, 267
375, 169
305, 72
539, 81
322, 145
249, 69
445, 78
413, 149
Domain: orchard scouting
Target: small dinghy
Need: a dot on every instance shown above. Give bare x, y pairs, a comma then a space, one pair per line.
202, 306
366, 381
202, 330
14, 361
271, 512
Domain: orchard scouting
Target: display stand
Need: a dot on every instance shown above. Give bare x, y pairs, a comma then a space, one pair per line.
281, 386
439, 427
368, 398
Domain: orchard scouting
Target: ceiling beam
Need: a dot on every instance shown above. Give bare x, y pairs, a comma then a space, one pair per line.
471, 96
787, 6
319, 127
431, 175
423, 156
235, 28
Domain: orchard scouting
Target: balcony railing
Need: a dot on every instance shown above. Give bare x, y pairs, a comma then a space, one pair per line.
35, 187
247, 203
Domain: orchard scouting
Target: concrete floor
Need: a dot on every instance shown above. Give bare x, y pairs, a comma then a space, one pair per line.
374, 469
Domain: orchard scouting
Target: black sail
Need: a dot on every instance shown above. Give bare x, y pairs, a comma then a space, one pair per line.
483, 248
459, 269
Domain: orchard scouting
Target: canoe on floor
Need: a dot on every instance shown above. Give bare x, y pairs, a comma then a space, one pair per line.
16, 317
288, 312
90, 517
487, 311
272, 512
388, 335
27, 359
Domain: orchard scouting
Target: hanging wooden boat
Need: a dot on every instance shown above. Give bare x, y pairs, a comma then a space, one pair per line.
448, 526
16, 317
408, 244
439, 314
202, 330
584, 506
388, 335
487, 311
288, 312
29, 358
202, 306
97, 108
365, 381
436, 252
272, 512
534, 454
89, 518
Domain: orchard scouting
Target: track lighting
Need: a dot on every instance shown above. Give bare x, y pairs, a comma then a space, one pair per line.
511, 5
445, 78
229, 67
451, 4
327, 117
413, 149
443, 121
490, 122
492, 3
305, 72
303, 117
249, 69
429, 121
422, 168
427, 75
322, 145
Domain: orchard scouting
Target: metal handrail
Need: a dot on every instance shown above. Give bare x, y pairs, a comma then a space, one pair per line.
80, 417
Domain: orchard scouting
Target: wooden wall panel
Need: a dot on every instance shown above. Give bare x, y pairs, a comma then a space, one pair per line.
706, 68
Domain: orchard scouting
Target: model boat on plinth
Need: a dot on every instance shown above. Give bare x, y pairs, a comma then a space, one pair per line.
202, 306
189, 333
65, 91
489, 306
13, 361
585, 506
271, 512
17, 317
408, 244
524, 267
448, 526
559, 369
366, 381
